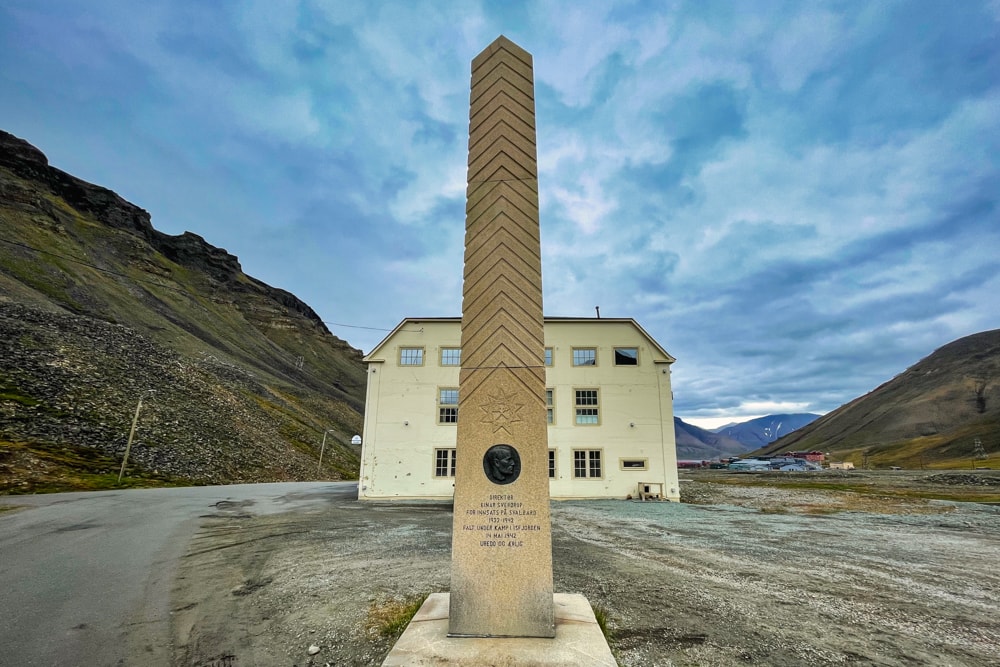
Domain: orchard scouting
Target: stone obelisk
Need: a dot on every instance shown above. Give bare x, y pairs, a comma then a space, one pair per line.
501, 571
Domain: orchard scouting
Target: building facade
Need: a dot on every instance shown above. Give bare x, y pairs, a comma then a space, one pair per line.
610, 411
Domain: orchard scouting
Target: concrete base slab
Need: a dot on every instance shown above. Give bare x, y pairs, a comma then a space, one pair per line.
579, 641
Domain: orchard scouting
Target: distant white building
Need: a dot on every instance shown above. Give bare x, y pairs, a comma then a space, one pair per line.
610, 410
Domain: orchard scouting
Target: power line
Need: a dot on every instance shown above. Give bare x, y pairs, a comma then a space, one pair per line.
358, 326
355, 326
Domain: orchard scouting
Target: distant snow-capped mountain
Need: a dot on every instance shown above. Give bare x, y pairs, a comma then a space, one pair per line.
765, 430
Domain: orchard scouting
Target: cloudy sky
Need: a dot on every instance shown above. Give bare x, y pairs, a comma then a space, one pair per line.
798, 200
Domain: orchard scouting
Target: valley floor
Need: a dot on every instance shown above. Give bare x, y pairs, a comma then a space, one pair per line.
757, 572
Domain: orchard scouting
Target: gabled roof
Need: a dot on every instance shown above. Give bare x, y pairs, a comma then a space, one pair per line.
588, 320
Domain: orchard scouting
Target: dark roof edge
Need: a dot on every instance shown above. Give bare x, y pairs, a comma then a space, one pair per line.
619, 320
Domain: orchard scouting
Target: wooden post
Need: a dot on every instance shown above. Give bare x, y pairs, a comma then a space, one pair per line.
322, 448
131, 434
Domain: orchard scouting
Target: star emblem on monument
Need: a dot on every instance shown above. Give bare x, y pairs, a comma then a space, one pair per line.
501, 410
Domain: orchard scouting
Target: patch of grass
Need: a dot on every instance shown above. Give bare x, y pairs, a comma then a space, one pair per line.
38, 467
603, 622
388, 618
18, 398
789, 483
975, 495
818, 509
866, 487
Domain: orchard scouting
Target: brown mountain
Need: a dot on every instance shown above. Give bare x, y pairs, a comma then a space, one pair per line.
697, 443
931, 414
97, 308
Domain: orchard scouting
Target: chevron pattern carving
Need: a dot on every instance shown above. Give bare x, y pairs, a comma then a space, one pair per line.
502, 297
502, 588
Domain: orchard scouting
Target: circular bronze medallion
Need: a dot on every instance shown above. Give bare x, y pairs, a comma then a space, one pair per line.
502, 464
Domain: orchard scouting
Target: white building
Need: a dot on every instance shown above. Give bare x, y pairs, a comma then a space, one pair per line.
611, 418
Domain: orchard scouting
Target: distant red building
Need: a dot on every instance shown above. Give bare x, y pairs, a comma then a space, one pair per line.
692, 464
808, 456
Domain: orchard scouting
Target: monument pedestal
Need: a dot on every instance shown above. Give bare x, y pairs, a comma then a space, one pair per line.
579, 641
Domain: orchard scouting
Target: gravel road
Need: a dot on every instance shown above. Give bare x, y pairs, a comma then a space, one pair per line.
741, 575
85, 578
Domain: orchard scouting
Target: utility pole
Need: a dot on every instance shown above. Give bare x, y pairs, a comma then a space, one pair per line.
131, 434
323, 447
978, 453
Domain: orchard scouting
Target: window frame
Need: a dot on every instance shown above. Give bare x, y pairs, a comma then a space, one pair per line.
550, 406
449, 462
442, 406
622, 466
573, 356
578, 406
614, 354
589, 458
441, 356
549, 357
403, 349
553, 463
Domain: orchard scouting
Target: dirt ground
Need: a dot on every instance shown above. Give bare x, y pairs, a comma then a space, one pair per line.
757, 572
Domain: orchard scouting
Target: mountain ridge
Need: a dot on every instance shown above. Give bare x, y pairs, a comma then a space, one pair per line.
931, 413
694, 442
187, 248
97, 308
761, 431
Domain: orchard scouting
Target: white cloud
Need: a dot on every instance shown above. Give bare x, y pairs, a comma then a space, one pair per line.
581, 39
276, 120
283, 117
772, 407
807, 44
653, 36
587, 205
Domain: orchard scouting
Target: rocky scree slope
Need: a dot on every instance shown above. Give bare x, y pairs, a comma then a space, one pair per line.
97, 308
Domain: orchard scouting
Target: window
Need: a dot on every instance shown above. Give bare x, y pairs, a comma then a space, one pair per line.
548, 356
584, 356
634, 464
411, 356
448, 406
587, 407
587, 463
552, 464
626, 356
549, 406
451, 356
444, 462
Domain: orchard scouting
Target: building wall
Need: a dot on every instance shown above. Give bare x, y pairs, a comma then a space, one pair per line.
635, 412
